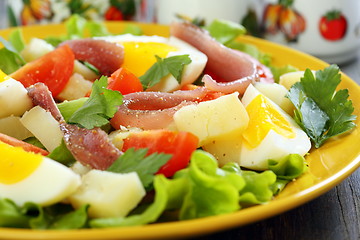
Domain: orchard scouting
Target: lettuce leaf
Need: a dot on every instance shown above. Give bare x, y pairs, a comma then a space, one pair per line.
16, 39
11, 60
62, 155
187, 192
258, 186
289, 167
212, 191
225, 31
278, 71
31, 215
252, 50
68, 108
11, 215
75, 27
78, 27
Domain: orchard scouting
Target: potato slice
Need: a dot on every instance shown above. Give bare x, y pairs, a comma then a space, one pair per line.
289, 79
35, 49
109, 194
12, 126
77, 87
225, 150
276, 93
44, 127
223, 117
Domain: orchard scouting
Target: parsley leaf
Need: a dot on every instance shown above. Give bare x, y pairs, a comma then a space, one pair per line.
172, 65
320, 110
137, 161
99, 107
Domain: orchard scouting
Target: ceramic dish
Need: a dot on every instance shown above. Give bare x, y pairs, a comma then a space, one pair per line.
328, 166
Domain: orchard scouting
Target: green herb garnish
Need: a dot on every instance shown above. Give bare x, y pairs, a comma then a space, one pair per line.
99, 108
172, 65
321, 111
137, 161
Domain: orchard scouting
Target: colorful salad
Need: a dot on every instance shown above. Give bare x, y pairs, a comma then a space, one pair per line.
120, 130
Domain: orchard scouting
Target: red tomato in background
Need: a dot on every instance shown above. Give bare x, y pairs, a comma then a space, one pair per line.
18, 143
180, 144
333, 26
113, 14
124, 81
54, 69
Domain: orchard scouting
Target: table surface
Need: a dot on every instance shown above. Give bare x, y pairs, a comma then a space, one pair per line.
332, 216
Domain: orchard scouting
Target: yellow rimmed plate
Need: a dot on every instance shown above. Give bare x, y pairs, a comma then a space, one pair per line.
328, 166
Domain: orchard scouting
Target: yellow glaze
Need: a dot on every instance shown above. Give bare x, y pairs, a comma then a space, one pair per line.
16, 164
263, 117
328, 166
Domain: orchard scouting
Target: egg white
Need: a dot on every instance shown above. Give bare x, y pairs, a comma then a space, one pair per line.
49, 183
274, 145
191, 71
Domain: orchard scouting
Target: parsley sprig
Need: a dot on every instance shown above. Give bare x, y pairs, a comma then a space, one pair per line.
137, 161
99, 108
320, 110
172, 65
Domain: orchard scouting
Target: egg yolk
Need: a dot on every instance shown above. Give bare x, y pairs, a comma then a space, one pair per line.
140, 56
3, 76
16, 164
263, 117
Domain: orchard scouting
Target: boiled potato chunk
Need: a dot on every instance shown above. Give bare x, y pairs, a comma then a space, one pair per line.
83, 70
276, 93
35, 49
77, 87
13, 127
109, 194
44, 127
13, 98
289, 79
225, 150
220, 118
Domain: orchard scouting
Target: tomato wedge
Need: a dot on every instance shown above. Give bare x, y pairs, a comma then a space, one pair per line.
18, 143
54, 69
179, 144
124, 81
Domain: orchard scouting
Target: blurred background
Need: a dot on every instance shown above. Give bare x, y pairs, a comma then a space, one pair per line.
328, 29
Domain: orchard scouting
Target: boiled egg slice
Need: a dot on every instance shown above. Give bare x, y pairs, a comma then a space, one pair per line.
28, 177
140, 54
271, 133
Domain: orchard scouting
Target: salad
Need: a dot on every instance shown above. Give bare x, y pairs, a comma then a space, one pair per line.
121, 130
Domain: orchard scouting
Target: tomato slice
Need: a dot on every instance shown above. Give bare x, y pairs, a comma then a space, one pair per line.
54, 69
18, 143
211, 95
124, 81
179, 144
